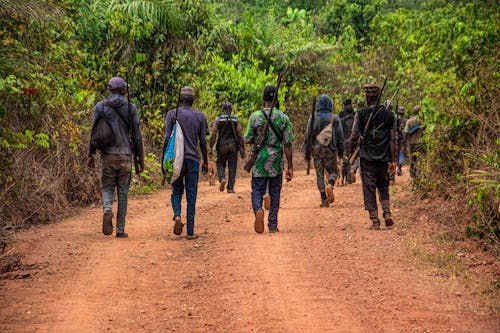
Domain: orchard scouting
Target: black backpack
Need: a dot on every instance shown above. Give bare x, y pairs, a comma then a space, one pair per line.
102, 135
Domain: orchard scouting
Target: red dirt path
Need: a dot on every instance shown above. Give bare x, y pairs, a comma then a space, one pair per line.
324, 272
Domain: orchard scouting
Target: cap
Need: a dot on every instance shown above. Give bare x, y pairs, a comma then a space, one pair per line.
372, 89
269, 92
187, 91
116, 83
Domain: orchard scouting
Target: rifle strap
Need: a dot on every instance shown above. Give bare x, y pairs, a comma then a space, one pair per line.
275, 131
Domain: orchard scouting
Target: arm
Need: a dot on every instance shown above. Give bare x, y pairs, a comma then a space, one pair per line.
213, 138
249, 135
340, 138
92, 150
307, 143
203, 145
241, 141
353, 140
289, 161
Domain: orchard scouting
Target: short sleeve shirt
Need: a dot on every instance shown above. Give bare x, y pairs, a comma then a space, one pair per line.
269, 161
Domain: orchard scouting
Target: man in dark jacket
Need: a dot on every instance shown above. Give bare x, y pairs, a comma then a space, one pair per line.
347, 119
325, 157
116, 159
378, 149
227, 131
194, 127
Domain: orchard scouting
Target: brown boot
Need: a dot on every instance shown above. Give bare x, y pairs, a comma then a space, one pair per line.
374, 218
107, 223
389, 222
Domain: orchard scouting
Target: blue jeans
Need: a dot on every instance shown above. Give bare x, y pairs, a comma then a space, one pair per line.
259, 186
188, 179
116, 172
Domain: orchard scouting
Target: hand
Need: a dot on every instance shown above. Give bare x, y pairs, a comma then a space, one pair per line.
204, 168
289, 174
392, 168
140, 166
90, 162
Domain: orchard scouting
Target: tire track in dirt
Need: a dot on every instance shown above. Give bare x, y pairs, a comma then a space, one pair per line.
324, 272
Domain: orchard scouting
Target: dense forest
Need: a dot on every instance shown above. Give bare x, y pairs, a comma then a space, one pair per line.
56, 57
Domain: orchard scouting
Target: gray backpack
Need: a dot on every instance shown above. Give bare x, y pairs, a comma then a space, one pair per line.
324, 137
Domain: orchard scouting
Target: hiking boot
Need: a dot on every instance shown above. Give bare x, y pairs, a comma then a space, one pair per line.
121, 235
273, 230
222, 185
389, 222
375, 226
178, 226
107, 223
259, 221
194, 236
267, 201
324, 203
329, 193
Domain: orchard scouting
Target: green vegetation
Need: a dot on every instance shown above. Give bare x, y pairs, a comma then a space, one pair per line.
57, 55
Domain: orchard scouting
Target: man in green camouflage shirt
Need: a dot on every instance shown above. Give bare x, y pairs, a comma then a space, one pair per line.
268, 169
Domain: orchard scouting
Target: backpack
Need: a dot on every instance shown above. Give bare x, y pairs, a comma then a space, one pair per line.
102, 136
324, 137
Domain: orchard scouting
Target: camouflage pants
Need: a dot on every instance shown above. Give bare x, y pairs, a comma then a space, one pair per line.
325, 159
116, 172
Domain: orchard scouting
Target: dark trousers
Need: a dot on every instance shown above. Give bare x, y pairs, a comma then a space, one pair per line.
417, 151
188, 179
259, 187
375, 176
227, 155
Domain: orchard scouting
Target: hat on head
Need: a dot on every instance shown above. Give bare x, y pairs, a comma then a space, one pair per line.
116, 83
269, 92
187, 91
372, 89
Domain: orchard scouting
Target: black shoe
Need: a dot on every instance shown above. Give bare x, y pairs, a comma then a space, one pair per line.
375, 226
121, 235
222, 185
230, 191
273, 230
107, 223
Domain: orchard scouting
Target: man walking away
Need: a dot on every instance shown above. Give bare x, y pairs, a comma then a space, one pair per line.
400, 137
228, 133
377, 151
413, 131
325, 156
347, 119
194, 128
116, 157
268, 168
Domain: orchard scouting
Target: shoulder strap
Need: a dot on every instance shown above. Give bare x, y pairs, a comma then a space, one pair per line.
275, 131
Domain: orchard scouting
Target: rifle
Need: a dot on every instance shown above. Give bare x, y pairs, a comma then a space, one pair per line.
354, 155
262, 135
165, 142
310, 139
131, 125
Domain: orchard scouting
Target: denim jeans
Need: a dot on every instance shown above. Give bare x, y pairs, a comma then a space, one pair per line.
189, 180
116, 172
259, 187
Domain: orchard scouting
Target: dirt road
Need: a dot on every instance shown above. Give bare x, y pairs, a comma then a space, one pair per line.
324, 272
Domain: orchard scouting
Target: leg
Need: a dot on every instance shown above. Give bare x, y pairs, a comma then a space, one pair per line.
108, 182
221, 165
259, 185
332, 169
319, 166
383, 193
369, 180
177, 192
232, 162
275, 193
192, 172
124, 174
